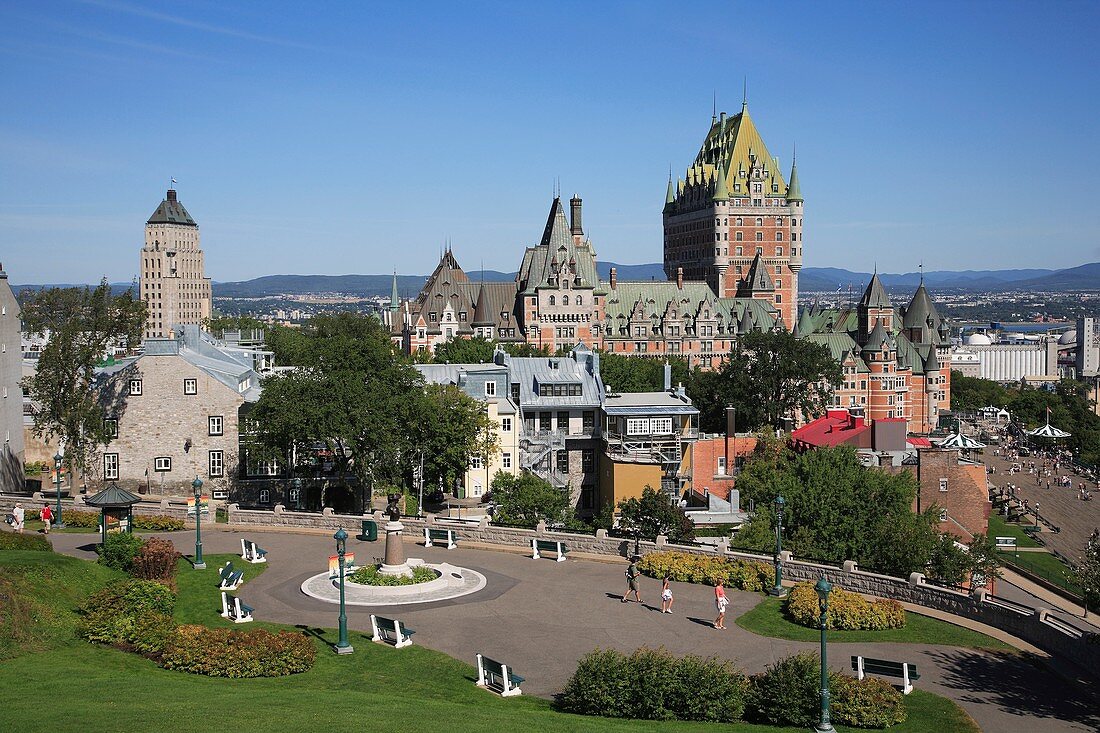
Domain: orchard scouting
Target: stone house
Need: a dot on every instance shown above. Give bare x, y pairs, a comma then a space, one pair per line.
11, 392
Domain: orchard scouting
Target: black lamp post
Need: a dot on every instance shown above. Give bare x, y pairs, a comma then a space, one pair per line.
637, 538
825, 726
196, 485
297, 484
342, 646
777, 590
57, 481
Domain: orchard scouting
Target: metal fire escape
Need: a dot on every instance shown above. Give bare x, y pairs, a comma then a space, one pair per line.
538, 454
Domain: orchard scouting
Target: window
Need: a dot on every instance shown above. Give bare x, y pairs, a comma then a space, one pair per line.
563, 422
943, 484
565, 300
515, 392
190, 386
110, 466
588, 459
432, 317
721, 466
943, 515
490, 389
110, 424
475, 462
740, 221
760, 236
265, 496
588, 421
778, 251
544, 421
462, 316
739, 237
217, 464
637, 426
506, 460
779, 237
563, 461
214, 425
135, 387
551, 300
162, 464
759, 221
506, 424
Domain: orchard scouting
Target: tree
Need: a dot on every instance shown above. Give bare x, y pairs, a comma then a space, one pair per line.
527, 499
768, 375
450, 428
476, 350
631, 374
948, 563
1088, 571
984, 560
82, 324
654, 514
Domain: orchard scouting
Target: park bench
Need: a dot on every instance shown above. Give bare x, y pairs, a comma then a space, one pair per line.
228, 578
391, 631
883, 668
234, 610
1006, 542
445, 537
540, 546
252, 552
497, 677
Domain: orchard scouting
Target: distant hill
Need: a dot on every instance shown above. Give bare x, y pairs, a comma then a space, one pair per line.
1083, 277
828, 279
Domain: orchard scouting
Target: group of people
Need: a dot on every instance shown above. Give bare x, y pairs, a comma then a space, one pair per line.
720, 600
18, 518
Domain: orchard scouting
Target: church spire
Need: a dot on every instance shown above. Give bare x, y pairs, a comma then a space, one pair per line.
393, 293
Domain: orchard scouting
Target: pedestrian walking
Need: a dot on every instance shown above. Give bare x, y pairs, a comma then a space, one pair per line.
721, 602
47, 518
20, 515
632, 580
666, 595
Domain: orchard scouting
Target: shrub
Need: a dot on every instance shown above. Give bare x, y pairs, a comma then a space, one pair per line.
156, 560
847, 610
866, 703
77, 518
788, 693
150, 632
119, 551
13, 541
369, 575
235, 653
110, 616
651, 684
158, 523
691, 568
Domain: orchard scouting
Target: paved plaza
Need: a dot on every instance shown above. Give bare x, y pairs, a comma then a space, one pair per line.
542, 616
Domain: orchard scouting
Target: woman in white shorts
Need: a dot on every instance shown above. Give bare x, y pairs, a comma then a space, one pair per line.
666, 596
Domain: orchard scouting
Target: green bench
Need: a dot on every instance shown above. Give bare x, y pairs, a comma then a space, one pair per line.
445, 537
392, 631
498, 677
228, 578
540, 546
252, 552
904, 671
234, 610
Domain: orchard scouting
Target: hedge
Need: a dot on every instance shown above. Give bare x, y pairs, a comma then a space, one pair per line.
236, 653
119, 551
111, 615
691, 568
847, 610
651, 684
90, 520
15, 541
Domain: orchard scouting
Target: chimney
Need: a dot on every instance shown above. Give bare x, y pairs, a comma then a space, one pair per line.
171, 194
679, 278
668, 376
731, 434
614, 278
575, 227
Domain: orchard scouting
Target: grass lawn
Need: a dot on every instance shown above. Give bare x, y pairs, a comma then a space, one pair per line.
377, 688
1045, 566
768, 619
998, 527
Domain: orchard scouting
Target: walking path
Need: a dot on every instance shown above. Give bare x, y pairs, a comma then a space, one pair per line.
542, 616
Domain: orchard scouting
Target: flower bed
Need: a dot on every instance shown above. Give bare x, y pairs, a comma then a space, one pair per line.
369, 575
690, 568
847, 610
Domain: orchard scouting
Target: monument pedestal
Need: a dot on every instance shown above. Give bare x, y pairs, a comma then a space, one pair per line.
395, 562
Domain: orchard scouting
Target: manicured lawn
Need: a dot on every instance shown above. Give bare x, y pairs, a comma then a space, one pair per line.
998, 527
768, 619
1045, 566
377, 688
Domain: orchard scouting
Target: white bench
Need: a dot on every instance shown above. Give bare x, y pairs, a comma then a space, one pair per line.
392, 631
540, 546
498, 677
234, 610
446, 537
885, 668
228, 578
252, 552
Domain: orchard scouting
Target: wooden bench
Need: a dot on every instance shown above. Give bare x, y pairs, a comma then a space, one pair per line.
390, 631
252, 552
540, 546
234, 610
228, 578
884, 668
498, 677
446, 537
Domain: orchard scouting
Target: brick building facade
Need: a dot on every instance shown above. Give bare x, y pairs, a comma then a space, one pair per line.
957, 488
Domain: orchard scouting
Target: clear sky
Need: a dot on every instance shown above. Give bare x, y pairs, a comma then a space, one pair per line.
358, 137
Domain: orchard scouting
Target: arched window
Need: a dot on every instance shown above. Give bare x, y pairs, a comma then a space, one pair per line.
565, 300
759, 222
740, 222
551, 300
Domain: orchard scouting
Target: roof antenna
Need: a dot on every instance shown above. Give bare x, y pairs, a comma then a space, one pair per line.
713, 106
921, 267
745, 92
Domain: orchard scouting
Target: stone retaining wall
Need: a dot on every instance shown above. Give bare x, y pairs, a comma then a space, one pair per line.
1033, 625
163, 507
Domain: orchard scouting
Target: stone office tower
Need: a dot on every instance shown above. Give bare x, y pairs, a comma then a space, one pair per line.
174, 285
734, 222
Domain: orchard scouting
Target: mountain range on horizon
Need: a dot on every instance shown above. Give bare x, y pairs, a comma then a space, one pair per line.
811, 279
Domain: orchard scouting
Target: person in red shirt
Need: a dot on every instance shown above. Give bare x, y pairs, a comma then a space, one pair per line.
47, 517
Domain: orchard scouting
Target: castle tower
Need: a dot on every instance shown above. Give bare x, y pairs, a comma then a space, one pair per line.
732, 207
174, 285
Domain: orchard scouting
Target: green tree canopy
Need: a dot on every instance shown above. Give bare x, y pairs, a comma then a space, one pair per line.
631, 374
82, 324
476, 350
527, 499
449, 427
654, 514
768, 375
1088, 571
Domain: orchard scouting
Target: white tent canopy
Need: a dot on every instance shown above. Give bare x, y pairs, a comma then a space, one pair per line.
1047, 431
960, 442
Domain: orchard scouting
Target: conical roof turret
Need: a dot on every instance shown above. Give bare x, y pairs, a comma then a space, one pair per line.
794, 191
875, 295
721, 192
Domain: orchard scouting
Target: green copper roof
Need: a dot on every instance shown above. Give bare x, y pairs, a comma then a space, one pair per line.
112, 496
721, 193
558, 255
393, 294
759, 279
794, 191
875, 295
732, 145
670, 197
171, 211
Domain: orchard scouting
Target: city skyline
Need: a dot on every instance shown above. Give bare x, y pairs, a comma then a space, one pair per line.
369, 137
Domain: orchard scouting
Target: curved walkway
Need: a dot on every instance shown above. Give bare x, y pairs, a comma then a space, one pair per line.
542, 616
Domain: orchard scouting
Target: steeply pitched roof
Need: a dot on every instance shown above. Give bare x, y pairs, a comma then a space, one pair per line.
497, 307
878, 338
875, 295
558, 255
731, 146
758, 279
794, 191
921, 312
171, 211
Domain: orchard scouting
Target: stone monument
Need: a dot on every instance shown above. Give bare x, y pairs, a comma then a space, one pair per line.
394, 562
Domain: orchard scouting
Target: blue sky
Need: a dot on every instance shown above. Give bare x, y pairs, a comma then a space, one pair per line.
358, 137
